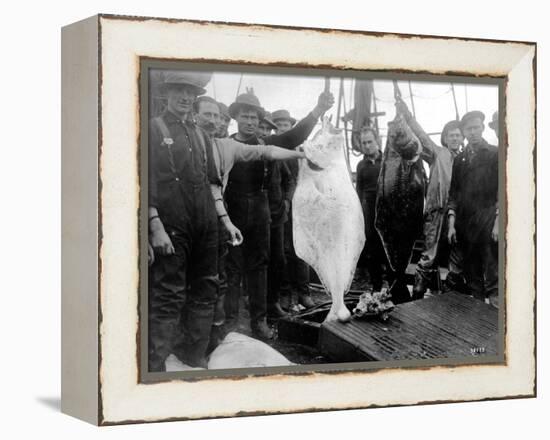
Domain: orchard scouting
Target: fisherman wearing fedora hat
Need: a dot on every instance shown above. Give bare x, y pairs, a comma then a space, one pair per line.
283, 120
473, 209
183, 230
248, 207
266, 126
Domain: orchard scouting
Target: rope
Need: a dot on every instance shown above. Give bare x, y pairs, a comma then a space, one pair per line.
414, 95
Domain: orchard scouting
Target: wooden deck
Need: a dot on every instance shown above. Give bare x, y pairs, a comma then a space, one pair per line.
442, 326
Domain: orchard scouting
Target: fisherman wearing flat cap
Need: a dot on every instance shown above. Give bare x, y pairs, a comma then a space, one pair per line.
473, 209
183, 229
248, 207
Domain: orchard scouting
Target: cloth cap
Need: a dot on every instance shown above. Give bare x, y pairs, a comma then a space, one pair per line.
471, 115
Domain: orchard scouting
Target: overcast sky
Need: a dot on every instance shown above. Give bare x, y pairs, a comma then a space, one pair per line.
433, 102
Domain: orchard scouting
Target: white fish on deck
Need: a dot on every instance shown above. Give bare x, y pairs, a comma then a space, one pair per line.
236, 351
240, 351
328, 224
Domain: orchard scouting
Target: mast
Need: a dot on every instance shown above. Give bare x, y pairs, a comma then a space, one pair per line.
339, 102
375, 108
454, 100
412, 100
214, 85
239, 86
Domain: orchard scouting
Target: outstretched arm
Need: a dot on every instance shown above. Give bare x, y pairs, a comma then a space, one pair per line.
429, 148
300, 132
278, 153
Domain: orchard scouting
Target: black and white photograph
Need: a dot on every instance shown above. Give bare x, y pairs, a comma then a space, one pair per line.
275, 219
300, 219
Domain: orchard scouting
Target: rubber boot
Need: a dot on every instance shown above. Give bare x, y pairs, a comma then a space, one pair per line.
231, 307
275, 311
161, 335
420, 285
218, 332
257, 295
196, 323
399, 291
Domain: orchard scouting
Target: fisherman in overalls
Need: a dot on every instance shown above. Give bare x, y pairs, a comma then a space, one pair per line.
183, 227
248, 207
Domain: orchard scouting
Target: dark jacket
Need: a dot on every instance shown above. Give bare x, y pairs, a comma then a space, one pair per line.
281, 186
474, 192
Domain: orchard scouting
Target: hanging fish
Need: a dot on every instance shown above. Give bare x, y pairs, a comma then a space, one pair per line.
400, 201
328, 220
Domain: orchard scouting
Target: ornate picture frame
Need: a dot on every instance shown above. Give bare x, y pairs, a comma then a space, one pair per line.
104, 263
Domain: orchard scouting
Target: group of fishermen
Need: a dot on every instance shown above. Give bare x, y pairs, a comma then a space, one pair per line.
460, 214
219, 218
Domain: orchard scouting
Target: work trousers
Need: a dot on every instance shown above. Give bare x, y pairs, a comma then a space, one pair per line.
296, 278
218, 324
481, 270
183, 287
427, 266
248, 263
277, 263
373, 256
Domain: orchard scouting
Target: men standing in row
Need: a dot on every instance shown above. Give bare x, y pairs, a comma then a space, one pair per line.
372, 257
296, 276
473, 209
227, 152
248, 207
183, 229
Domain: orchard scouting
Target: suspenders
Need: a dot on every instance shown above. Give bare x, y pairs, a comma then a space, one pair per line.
168, 141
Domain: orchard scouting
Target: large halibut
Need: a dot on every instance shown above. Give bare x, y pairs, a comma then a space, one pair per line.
400, 201
328, 227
